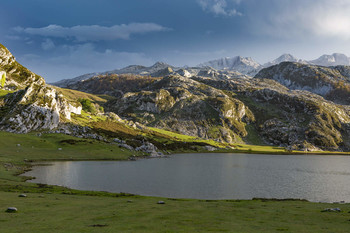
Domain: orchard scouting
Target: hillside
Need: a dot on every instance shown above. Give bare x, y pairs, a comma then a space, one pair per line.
333, 83
298, 106
27, 103
292, 105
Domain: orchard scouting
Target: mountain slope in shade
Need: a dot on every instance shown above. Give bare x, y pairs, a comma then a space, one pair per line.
333, 83
335, 59
244, 65
68, 82
155, 70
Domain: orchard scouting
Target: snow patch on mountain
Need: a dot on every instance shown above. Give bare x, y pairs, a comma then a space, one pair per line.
335, 59
244, 65
284, 58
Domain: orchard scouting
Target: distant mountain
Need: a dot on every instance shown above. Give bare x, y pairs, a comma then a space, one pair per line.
284, 58
142, 70
223, 68
333, 83
335, 59
244, 65
158, 69
68, 82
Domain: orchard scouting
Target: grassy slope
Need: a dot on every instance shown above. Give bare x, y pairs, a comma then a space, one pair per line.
74, 95
239, 148
49, 208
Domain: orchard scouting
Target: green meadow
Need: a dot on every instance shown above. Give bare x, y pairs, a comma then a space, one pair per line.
58, 209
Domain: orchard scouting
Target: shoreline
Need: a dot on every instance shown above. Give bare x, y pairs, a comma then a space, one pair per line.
47, 163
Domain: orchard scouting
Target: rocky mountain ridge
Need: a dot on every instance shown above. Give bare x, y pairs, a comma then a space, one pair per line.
224, 68
29, 103
298, 106
336, 59
244, 65
284, 58
332, 83
294, 105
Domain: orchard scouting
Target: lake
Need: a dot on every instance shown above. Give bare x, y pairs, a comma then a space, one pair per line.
209, 176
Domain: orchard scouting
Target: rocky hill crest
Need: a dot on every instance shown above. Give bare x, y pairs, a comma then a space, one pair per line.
27, 103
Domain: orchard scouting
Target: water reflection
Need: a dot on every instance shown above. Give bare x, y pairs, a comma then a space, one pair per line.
210, 176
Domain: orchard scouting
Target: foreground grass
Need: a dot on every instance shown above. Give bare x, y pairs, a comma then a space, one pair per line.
51, 212
58, 209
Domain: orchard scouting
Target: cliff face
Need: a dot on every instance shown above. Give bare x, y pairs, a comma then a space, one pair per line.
29, 104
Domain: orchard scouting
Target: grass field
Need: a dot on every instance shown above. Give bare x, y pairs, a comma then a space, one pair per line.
59, 209
77, 213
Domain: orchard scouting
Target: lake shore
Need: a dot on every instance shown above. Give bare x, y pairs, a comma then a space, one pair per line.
65, 210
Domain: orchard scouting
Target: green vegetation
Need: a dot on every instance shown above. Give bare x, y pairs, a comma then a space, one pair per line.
4, 92
77, 213
87, 105
51, 208
3, 79
73, 95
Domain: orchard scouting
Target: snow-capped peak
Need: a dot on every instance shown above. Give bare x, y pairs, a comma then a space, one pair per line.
332, 60
284, 58
244, 65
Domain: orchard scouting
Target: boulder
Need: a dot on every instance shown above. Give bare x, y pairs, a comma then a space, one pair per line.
11, 210
331, 210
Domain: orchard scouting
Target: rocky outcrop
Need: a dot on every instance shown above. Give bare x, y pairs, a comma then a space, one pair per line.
35, 105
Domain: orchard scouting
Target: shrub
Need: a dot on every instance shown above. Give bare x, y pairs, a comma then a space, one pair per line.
87, 105
3, 79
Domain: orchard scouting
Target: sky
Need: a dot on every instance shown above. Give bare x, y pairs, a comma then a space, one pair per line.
64, 39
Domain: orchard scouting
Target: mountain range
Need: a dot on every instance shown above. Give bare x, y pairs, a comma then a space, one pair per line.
293, 104
239, 65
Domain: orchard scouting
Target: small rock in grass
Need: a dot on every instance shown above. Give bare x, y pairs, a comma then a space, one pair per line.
129, 201
98, 225
22, 195
161, 202
331, 210
11, 210
18, 144
59, 148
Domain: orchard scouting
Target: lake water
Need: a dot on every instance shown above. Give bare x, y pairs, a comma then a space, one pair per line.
209, 176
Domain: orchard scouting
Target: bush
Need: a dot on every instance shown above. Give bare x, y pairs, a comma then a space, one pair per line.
87, 105
3, 79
